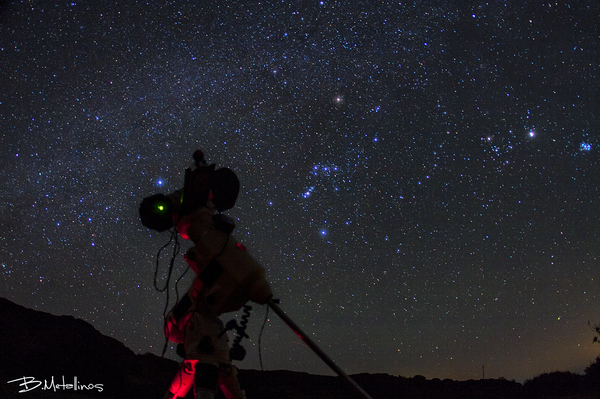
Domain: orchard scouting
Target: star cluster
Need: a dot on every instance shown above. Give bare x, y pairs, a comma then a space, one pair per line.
420, 180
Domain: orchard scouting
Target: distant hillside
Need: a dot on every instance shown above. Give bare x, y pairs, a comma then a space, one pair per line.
43, 346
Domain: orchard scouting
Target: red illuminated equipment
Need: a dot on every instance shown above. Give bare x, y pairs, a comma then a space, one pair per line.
227, 278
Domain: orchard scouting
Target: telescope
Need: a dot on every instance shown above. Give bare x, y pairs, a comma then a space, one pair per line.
203, 184
227, 278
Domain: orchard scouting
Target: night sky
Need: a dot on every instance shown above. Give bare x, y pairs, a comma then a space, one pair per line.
419, 179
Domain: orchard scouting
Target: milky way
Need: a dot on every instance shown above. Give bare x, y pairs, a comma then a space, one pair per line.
420, 181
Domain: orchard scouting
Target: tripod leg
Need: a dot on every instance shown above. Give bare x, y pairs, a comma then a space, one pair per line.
182, 382
203, 393
207, 376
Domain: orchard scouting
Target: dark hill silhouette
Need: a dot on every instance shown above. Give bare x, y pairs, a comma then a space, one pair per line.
43, 346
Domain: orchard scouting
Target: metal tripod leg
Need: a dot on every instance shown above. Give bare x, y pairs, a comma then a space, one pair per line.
315, 348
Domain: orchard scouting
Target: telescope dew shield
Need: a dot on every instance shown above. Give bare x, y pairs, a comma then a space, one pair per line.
156, 212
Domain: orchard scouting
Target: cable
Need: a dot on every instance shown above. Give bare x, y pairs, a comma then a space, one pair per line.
157, 264
259, 338
165, 288
237, 352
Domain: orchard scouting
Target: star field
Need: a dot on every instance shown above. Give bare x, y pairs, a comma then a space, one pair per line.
420, 181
